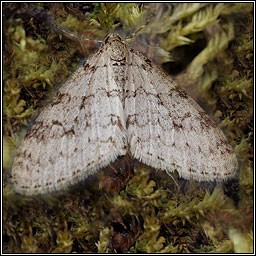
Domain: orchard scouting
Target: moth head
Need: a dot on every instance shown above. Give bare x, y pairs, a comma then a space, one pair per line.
112, 37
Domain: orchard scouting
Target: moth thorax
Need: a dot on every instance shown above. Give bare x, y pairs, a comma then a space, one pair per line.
118, 51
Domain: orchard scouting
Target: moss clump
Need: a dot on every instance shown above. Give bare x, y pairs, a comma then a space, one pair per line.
197, 42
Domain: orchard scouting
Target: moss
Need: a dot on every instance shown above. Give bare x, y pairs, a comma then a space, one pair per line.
154, 213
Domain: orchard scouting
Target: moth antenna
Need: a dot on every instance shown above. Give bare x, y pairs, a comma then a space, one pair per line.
40, 14
137, 31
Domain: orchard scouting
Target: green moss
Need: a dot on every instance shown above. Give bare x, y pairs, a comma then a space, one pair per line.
108, 15
152, 214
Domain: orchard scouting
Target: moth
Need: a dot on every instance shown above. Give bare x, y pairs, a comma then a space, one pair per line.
117, 103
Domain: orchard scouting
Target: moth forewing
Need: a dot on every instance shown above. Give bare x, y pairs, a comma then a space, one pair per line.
116, 103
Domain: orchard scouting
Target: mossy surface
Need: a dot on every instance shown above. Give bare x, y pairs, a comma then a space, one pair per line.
208, 48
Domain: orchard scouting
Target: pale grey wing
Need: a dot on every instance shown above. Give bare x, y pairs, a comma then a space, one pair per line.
168, 130
77, 133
